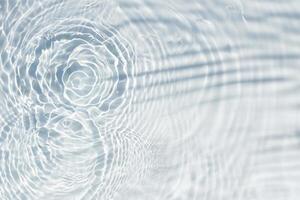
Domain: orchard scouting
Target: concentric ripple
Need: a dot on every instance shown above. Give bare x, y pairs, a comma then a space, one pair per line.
57, 67
74, 66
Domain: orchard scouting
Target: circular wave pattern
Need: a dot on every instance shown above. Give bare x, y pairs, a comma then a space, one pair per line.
76, 66
134, 99
63, 70
93, 101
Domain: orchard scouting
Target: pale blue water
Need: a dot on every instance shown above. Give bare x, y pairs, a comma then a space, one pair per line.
149, 100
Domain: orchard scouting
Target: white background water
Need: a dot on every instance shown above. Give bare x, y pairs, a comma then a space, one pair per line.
149, 100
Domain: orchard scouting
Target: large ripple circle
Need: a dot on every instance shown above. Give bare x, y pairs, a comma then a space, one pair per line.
73, 62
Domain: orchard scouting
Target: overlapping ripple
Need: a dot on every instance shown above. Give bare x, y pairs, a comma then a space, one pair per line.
61, 69
143, 100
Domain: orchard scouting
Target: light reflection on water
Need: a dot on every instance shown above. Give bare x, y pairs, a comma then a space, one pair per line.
149, 99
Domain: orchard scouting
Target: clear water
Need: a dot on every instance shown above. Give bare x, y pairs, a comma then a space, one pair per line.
149, 100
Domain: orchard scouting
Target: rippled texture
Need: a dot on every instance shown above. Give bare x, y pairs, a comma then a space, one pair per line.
149, 100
